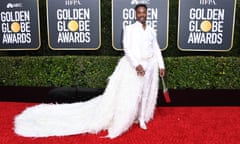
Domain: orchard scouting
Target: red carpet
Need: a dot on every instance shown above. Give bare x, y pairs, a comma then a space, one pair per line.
171, 125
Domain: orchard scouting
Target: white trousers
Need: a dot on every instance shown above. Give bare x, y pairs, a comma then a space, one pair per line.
148, 66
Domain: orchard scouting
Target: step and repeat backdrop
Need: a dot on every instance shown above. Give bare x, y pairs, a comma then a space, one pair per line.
206, 25
74, 24
20, 26
203, 25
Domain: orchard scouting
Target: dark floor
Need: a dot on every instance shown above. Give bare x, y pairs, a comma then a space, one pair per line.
183, 97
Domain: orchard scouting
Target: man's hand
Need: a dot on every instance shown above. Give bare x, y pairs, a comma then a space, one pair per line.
140, 70
162, 72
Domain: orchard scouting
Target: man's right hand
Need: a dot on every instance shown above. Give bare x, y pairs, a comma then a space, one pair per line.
140, 70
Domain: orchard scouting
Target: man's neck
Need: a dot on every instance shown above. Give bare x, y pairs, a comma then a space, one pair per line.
144, 25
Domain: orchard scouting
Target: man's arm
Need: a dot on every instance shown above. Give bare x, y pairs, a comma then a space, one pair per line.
127, 46
159, 56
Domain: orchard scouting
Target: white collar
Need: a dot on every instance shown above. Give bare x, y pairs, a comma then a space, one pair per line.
139, 24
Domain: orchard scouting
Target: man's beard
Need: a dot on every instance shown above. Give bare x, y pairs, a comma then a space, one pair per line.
142, 20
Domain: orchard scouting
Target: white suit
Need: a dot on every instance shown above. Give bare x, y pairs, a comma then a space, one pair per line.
116, 109
140, 47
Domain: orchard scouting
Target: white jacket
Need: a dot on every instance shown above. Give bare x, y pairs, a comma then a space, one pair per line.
140, 44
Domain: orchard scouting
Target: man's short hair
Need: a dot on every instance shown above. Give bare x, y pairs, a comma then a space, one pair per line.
140, 5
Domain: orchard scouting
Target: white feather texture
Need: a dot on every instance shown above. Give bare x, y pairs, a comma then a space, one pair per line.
115, 110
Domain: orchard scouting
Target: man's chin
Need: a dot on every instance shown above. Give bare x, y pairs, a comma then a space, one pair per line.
142, 21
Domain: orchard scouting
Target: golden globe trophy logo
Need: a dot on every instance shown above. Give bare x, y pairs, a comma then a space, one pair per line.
75, 27
19, 25
206, 25
206, 28
123, 13
16, 27
74, 24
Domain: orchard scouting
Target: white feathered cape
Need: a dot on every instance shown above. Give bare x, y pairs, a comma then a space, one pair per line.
115, 110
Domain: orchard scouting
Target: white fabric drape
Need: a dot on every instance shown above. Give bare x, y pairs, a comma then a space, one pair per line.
115, 110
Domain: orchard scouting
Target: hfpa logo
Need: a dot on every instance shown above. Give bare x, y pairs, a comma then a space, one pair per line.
72, 2
14, 5
207, 2
140, 2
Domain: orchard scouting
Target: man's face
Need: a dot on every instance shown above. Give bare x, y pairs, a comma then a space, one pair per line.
141, 14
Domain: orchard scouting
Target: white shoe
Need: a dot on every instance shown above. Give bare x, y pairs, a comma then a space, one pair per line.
142, 125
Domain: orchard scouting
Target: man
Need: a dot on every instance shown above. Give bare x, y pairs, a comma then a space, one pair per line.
141, 47
130, 94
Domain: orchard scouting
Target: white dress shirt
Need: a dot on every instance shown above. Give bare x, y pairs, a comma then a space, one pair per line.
141, 44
